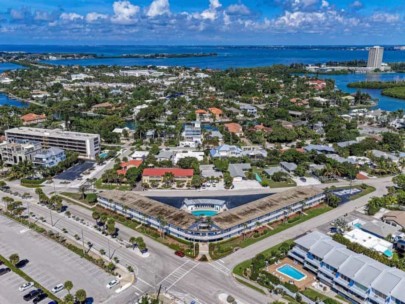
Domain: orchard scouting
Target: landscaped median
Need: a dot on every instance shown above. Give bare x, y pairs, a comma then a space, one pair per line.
221, 249
27, 278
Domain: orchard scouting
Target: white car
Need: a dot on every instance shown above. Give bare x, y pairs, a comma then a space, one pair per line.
58, 288
112, 283
26, 286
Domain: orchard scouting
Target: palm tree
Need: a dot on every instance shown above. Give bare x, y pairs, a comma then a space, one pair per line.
68, 286
132, 240
82, 190
7, 200
162, 225
81, 295
95, 215
14, 258
245, 226
69, 299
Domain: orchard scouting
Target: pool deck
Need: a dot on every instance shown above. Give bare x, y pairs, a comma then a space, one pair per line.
307, 282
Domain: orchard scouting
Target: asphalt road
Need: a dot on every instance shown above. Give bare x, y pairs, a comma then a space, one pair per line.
50, 263
181, 276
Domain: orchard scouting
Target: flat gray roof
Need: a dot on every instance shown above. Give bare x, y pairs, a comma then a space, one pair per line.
224, 220
51, 133
360, 268
263, 206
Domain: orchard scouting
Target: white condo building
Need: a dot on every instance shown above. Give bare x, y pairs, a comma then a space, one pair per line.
86, 144
375, 57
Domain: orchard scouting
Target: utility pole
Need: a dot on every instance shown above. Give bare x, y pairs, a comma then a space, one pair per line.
50, 213
83, 242
109, 254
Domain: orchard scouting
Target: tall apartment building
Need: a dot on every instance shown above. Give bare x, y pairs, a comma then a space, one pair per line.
86, 144
14, 153
375, 57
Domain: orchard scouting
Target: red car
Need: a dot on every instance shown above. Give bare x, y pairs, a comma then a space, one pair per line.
179, 253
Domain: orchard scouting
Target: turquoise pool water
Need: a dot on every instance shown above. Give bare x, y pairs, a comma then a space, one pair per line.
103, 155
291, 272
204, 213
357, 225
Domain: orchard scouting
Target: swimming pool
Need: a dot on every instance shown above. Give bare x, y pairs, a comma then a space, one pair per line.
291, 272
204, 212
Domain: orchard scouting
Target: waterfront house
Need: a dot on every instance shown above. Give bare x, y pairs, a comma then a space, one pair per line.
157, 174
356, 277
13, 153
49, 157
237, 171
127, 165
217, 113
32, 118
234, 128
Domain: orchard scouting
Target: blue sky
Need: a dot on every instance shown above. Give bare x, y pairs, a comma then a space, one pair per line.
201, 22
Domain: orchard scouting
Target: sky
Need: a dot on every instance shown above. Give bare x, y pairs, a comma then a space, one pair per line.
203, 22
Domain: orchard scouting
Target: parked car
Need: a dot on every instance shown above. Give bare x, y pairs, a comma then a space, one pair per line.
112, 283
32, 294
26, 286
39, 298
57, 288
179, 253
4, 271
144, 250
22, 263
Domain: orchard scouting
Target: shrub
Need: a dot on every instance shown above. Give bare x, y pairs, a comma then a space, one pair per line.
230, 299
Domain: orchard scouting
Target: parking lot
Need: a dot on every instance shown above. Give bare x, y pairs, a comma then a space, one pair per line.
9, 284
49, 264
75, 172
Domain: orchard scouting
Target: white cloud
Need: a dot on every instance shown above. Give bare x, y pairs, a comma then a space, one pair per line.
211, 12
16, 14
238, 9
385, 17
94, 17
324, 4
158, 8
356, 4
70, 17
125, 12
42, 16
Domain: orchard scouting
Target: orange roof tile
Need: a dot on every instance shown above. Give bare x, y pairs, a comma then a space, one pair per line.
32, 117
215, 111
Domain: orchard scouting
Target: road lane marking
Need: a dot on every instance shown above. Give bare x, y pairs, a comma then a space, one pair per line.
175, 282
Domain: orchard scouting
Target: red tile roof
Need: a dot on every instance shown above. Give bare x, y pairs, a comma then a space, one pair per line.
127, 165
32, 117
132, 163
233, 127
175, 171
215, 111
200, 111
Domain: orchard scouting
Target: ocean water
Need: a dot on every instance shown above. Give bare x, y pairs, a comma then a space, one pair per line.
5, 100
231, 57
384, 102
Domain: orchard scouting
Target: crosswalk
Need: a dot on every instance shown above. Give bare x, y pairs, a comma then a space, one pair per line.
221, 267
177, 274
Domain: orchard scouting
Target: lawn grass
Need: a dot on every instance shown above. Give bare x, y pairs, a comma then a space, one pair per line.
27, 278
270, 182
227, 247
251, 286
245, 264
317, 296
100, 185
